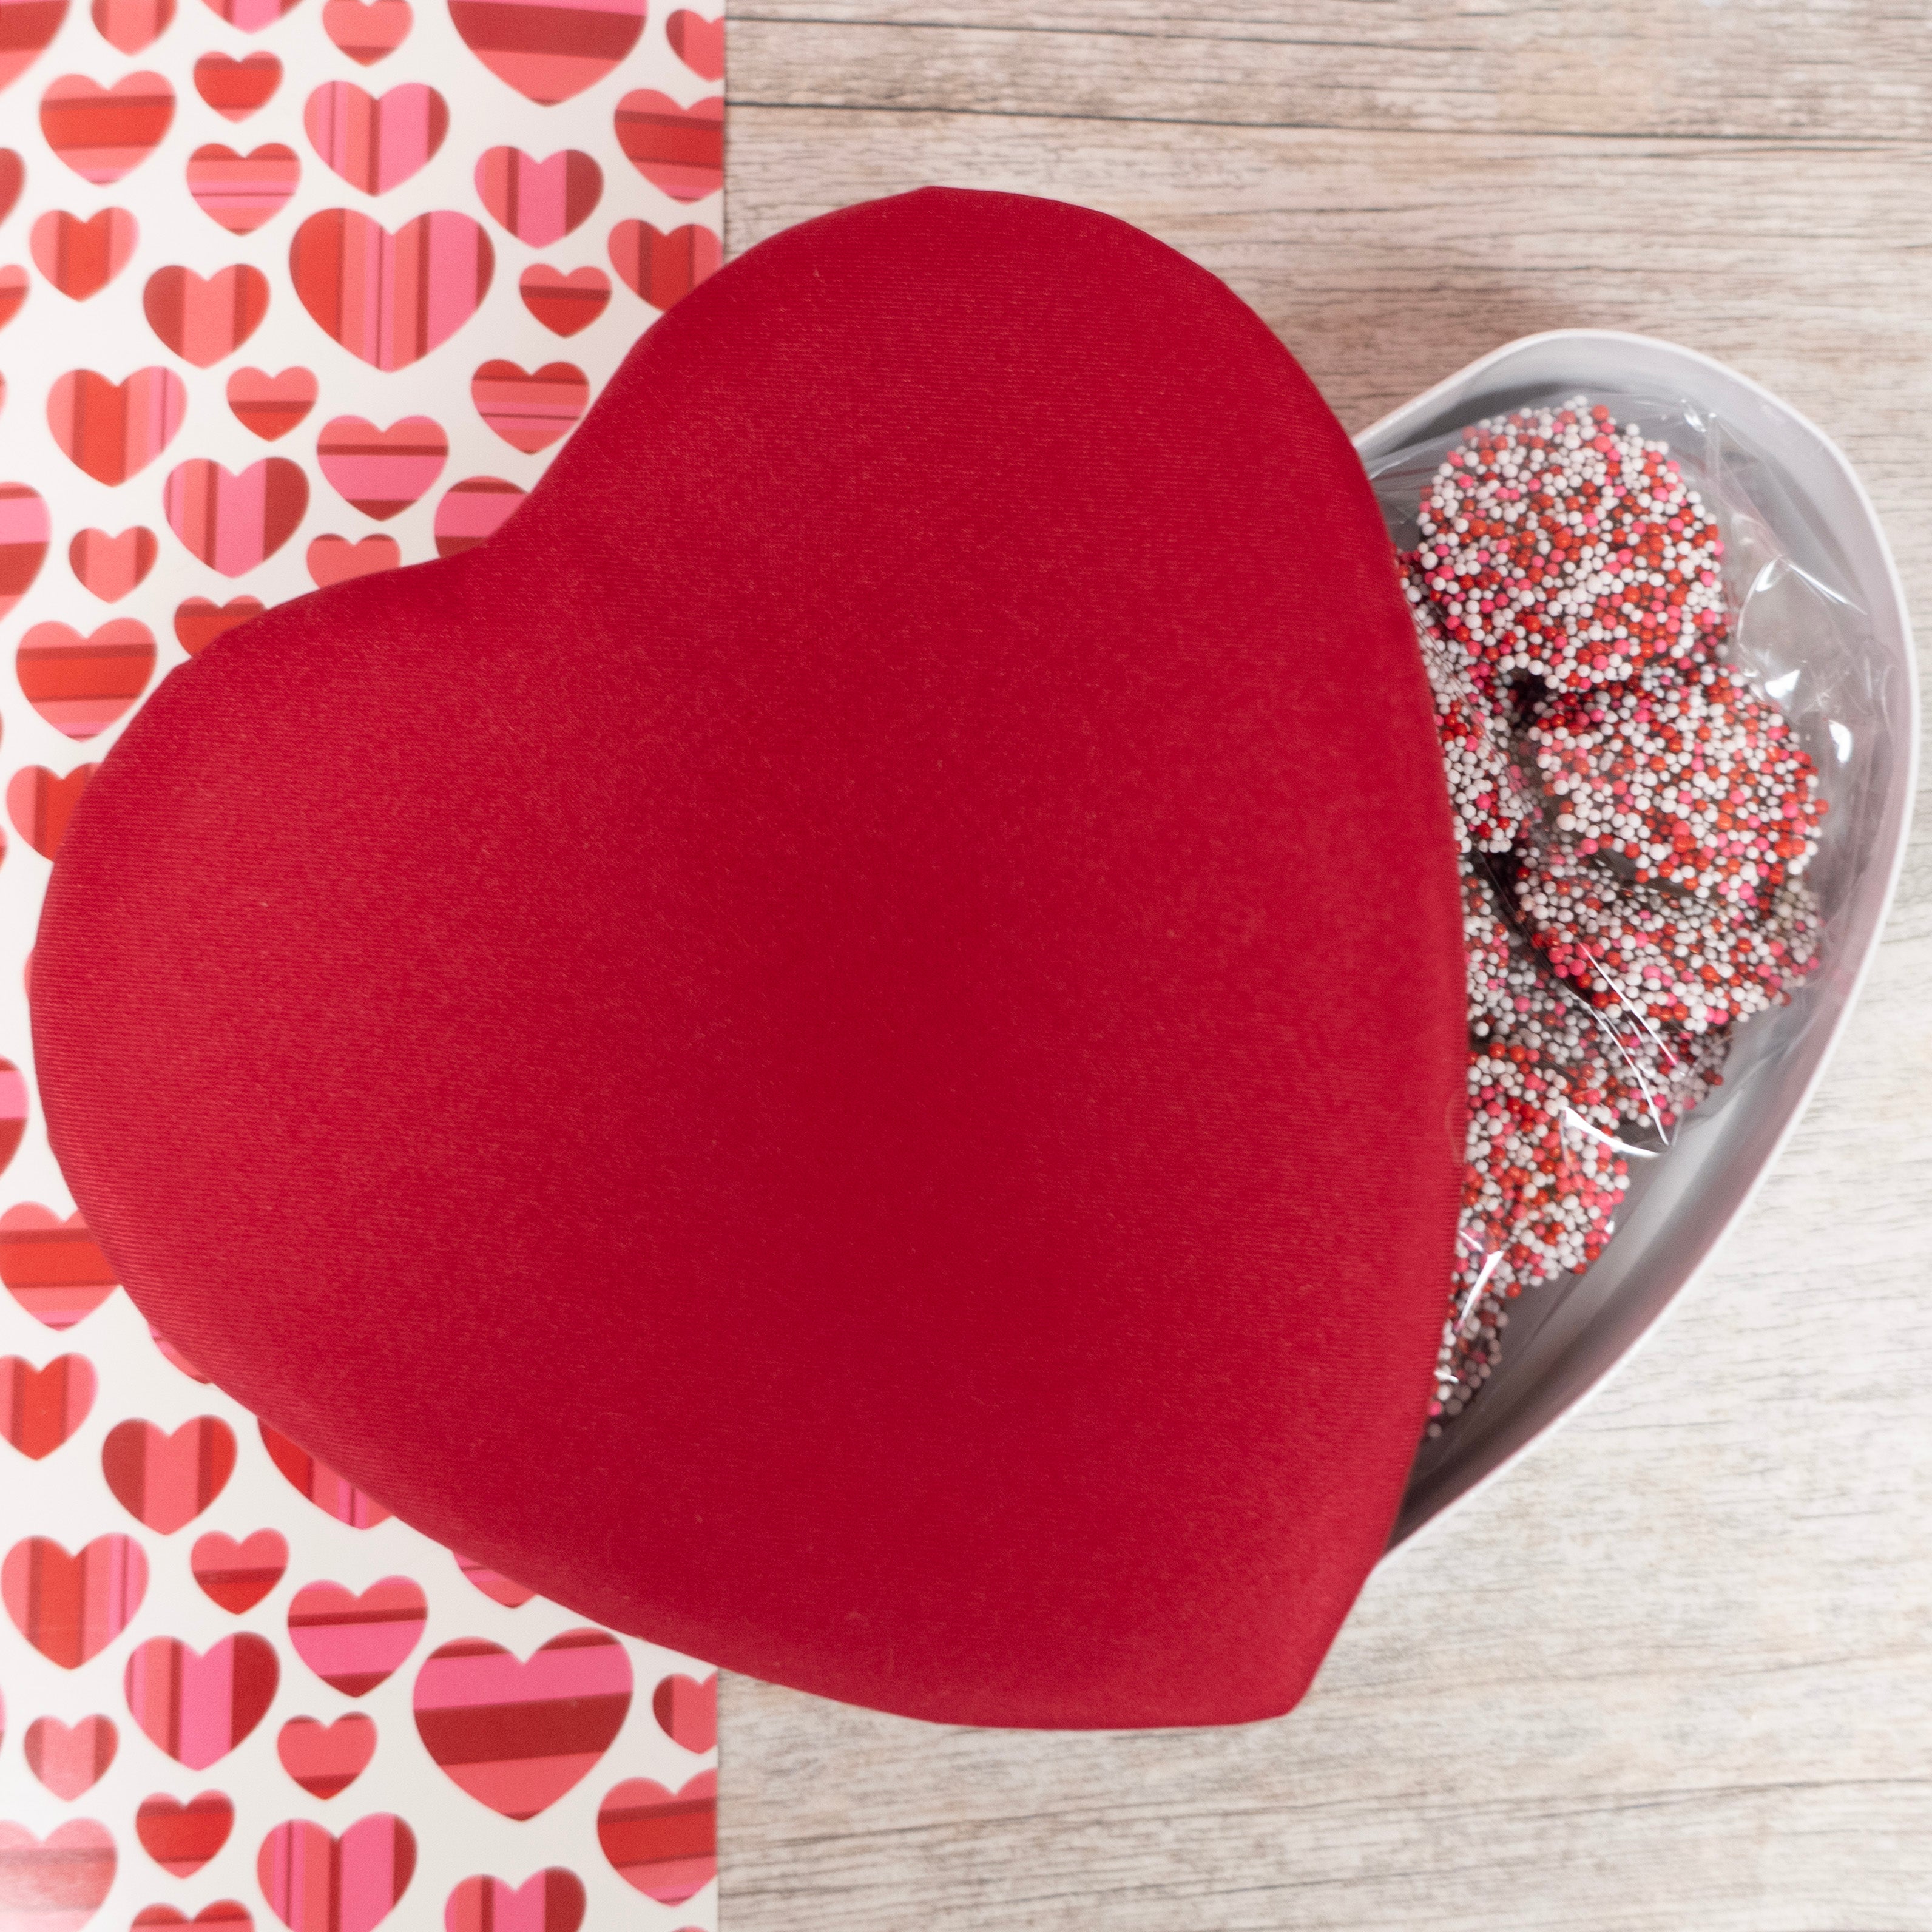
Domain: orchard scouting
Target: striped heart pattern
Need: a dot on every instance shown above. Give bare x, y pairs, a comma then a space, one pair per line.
69, 1759
163, 1479
293, 291
82, 685
354, 1641
516, 1735
39, 1409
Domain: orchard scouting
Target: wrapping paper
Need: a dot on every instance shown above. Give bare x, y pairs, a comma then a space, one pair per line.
293, 290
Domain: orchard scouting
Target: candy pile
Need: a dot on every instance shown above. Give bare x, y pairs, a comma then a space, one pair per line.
1634, 822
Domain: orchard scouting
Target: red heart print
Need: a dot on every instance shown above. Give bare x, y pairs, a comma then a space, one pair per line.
664, 1843
40, 803
498, 1588
225, 1915
13, 178
101, 133
698, 42
334, 559
271, 406
199, 621
232, 522
375, 142
113, 430
55, 1884
315, 1882
354, 1642
166, 1481
202, 320
237, 1576
530, 412
661, 268
53, 1268
686, 1709
181, 1838
325, 1758
382, 472
564, 304
80, 258
538, 201
198, 1706
517, 1736
367, 30
548, 49
81, 685
29, 25
390, 299
333, 1495
111, 566
680, 150
473, 510
69, 1759
550, 1900
13, 291
71, 1608
236, 89
129, 25
242, 191
24, 532
251, 16
39, 1409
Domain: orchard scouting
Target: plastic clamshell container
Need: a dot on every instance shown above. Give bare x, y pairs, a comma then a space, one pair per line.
1566, 1338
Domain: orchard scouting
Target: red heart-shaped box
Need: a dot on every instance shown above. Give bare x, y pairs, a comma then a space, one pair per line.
845, 1049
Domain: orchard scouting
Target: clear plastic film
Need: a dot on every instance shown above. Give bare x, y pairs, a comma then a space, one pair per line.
1657, 736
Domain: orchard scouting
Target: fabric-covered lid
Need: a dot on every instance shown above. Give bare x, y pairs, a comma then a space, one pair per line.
844, 1048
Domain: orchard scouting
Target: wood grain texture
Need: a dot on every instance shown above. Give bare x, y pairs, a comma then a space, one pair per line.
1675, 1670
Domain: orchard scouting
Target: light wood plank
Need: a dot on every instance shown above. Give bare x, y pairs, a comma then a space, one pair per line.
1675, 1670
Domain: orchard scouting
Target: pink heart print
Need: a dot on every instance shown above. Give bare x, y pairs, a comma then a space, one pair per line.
54, 1884
550, 1900
376, 143
315, 1882
390, 299
198, 1705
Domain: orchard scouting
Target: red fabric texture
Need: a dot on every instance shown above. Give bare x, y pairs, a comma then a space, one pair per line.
843, 1049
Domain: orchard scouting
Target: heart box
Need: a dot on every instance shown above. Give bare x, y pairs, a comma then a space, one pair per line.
1566, 1337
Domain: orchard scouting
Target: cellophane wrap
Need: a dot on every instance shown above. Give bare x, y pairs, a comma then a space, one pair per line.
1656, 739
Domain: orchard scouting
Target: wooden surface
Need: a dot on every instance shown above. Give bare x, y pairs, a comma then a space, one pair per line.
1675, 1671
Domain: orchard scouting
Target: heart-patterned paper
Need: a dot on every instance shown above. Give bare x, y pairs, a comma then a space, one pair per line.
163, 1479
82, 685
236, 89
111, 566
354, 1641
71, 1607
113, 430
80, 258
70, 1758
547, 1901
53, 1268
367, 30
516, 1735
238, 1575
57, 1883
255, 256
198, 1705
39, 1409
181, 1838
664, 1842
326, 1759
